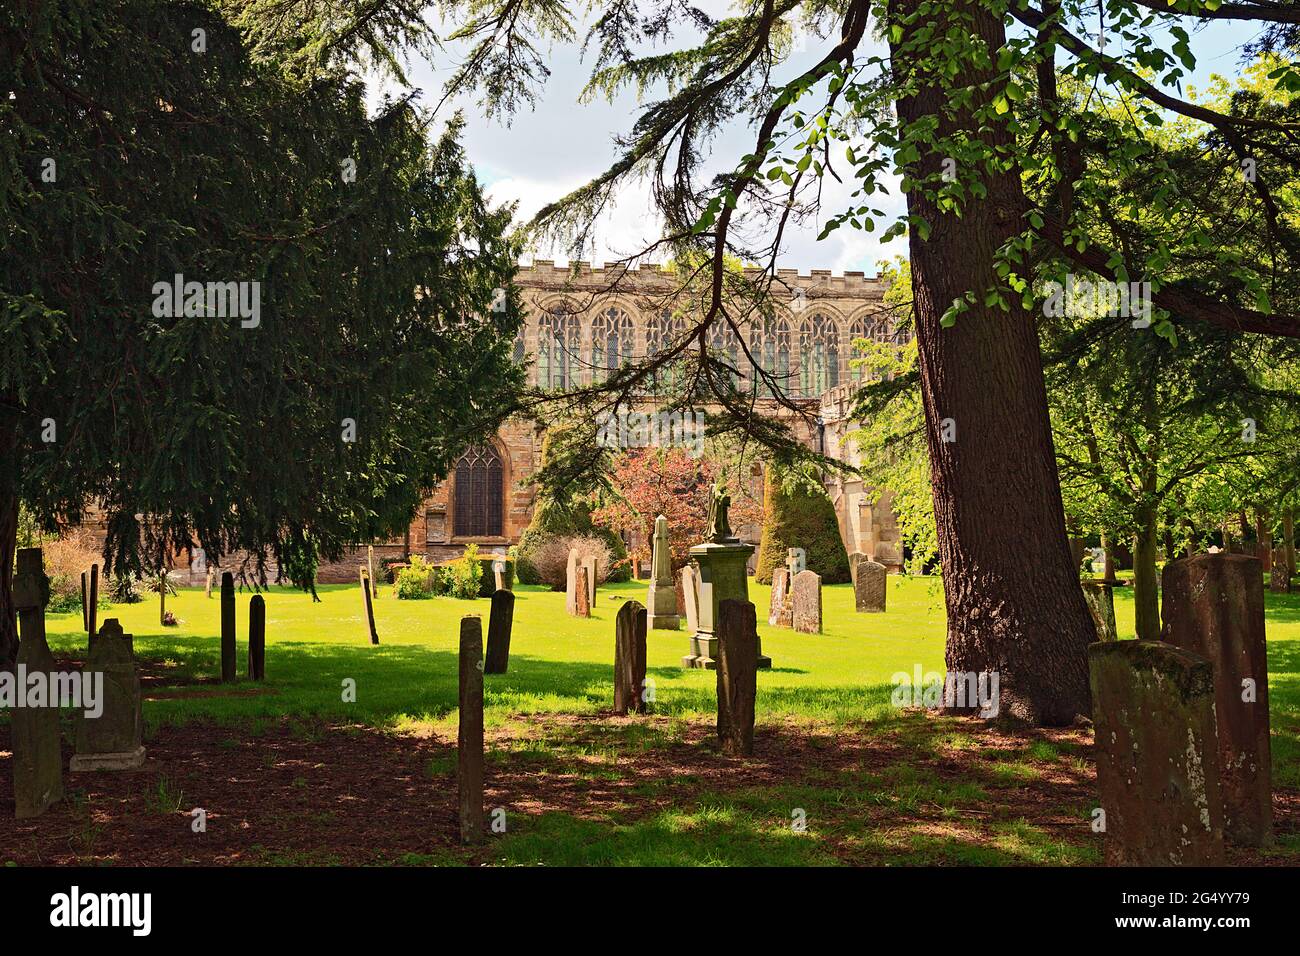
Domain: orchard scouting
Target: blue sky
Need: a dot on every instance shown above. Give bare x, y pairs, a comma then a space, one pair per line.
549, 151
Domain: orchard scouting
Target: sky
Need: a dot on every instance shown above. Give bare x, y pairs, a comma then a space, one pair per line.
547, 152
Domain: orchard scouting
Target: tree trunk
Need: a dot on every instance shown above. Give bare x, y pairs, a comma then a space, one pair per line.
1146, 583
8, 536
1013, 597
1108, 559
1264, 539
1288, 531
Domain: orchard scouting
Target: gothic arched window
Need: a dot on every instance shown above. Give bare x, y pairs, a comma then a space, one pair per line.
558, 344
662, 331
611, 341
770, 344
725, 346
819, 355
479, 494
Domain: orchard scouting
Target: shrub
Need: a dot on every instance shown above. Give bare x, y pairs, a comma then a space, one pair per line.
551, 558
413, 581
799, 515
65, 558
124, 589
466, 574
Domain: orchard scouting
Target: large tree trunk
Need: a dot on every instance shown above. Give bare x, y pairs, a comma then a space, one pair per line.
1288, 531
1108, 559
1264, 539
1146, 583
1013, 597
8, 536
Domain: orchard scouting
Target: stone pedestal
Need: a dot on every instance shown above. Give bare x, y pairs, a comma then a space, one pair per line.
663, 606
720, 569
113, 740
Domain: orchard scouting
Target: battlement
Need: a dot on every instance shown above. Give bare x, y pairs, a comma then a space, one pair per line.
579, 274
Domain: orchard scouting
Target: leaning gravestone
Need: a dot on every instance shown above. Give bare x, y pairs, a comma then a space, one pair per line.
571, 583
663, 595
581, 594
257, 638
227, 627
856, 558
869, 587
114, 739
1100, 598
629, 658
737, 675
778, 611
1213, 605
38, 759
469, 740
500, 621
806, 595
1157, 763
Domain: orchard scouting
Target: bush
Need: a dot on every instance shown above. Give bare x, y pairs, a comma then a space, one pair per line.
414, 581
123, 589
465, 574
65, 558
551, 558
796, 515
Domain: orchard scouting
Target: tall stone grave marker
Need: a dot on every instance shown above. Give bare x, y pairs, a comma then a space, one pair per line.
113, 740
806, 595
469, 742
663, 594
227, 627
779, 612
691, 598
257, 638
368, 599
500, 621
629, 658
869, 587
1157, 763
720, 563
737, 675
571, 583
581, 594
38, 759
90, 599
1213, 605
1100, 598
589, 565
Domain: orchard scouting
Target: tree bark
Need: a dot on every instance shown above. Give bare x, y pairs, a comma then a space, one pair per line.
1288, 531
1013, 597
8, 537
1146, 585
1264, 539
1108, 559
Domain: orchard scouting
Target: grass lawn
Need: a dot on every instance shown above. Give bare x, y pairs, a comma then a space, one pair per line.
291, 773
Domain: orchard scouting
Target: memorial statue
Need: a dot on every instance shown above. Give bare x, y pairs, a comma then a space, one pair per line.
718, 530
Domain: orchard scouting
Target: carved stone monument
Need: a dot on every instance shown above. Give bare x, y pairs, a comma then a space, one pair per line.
37, 760
663, 594
114, 739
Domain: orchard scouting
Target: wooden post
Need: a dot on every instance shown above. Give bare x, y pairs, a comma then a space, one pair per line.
207, 588
90, 600
257, 638
500, 623
37, 755
737, 633
369, 598
227, 627
370, 570
469, 744
162, 597
629, 658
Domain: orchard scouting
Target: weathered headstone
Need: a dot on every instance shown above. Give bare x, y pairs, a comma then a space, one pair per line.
500, 621
1157, 763
856, 558
114, 739
581, 594
589, 565
1213, 605
796, 560
806, 594
571, 583
737, 675
629, 658
869, 587
779, 610
227, 627
499, 579
691, 598
1100, 598
469, 742
368, 598
257, 638
38, 759
90, 599
663, 593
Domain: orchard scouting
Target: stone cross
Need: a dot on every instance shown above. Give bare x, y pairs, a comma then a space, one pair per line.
1213, 606
34, 731
629, 659
1157, 762
469, 741
500, 621
114, 739
796, 560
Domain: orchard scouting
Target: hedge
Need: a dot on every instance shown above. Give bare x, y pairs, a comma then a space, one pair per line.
799, 517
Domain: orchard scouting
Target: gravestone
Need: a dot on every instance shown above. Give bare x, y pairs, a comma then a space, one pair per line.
114, 740
500, 621
779, 610
629, 658
691, 599
869, 587
370, 570
589, 565
796, 560
806, 595
368, 599
34, 731
469, 741
663, 593
581, 594
90, 599
1213, 606
499, 579
227, 627
737, 675
1100, 598
571, 583
1157, 763
207, 587
856, 558
257, 638
1279, 576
